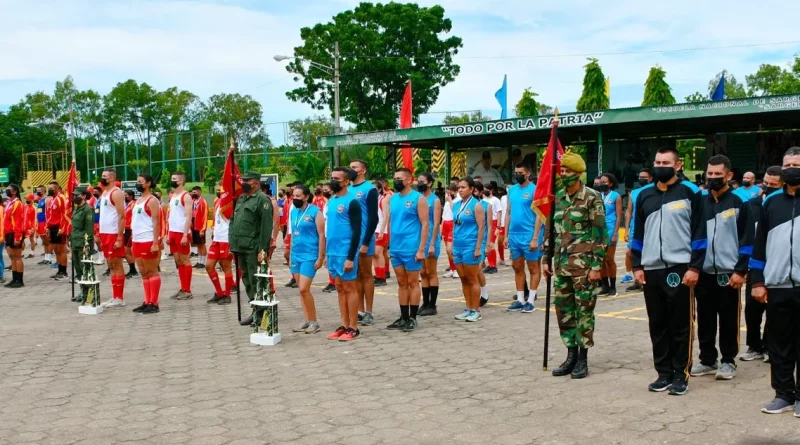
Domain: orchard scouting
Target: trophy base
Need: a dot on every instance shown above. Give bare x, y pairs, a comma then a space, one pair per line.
90, 310
262, 339
262, 303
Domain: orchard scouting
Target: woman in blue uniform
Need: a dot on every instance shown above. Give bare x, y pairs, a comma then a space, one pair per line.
467, 247
613, 204
430, 279
307, 224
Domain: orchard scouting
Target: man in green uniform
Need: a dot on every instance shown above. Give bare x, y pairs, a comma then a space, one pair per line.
581, 239
254, 225
82, 233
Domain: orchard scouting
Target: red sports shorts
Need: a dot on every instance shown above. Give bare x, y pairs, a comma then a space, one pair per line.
382, 242
174, 242
107, 241
142, 250
41, 228
219, 251
447, 231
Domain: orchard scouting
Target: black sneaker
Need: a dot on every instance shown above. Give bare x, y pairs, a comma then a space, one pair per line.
379, 282
15, 285
107, 273
150, 309
10, 283
490, 270
199, 266
679, 387
388, 275
398, 324
484, 301
660, 385
130, 275
60, 276
224, 300
411, 325
634, 287
215, 299
140, 308
291, 283
329, 288
612, 292
428, 311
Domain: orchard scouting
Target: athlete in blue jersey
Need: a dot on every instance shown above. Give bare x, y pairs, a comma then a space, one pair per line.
307, 224
748, 190
367, 196
645, 179
408, 224
479, 194
525, 238
613, 204
467, 247
41, 223
430, 279
343, 236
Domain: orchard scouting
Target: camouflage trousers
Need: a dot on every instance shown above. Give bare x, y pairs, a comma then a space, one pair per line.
575, 298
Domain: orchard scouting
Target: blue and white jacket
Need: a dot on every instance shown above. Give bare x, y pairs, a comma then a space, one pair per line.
728, 229
776, 251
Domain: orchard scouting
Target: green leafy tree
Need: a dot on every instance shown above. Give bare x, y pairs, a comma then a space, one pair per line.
593, 96
772, 80
308, 168
138, 165
382, 47
164, 180
304, 132
125, 108
696, 97
238, 116
463, 118
527, 106
657, 91
733, 89
211, 175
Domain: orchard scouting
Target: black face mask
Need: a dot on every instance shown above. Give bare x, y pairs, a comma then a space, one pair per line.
715, 184
398, 185
791, 176
663, 174
39, 194
746, 184
769, 190
78, 201
128, 199
246, 187
326, 194
519, 179
218, 194
104, 181
51, 193
422, 187
298, 203
8, 193
139, 188
602, 188
96, 196
173, 184
195, 196
336, 186
644, 181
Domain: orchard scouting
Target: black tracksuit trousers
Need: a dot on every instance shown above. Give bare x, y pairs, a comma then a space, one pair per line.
717, 301
783, 313
753, 314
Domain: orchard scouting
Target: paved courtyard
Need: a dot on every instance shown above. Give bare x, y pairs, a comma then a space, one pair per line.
189, 375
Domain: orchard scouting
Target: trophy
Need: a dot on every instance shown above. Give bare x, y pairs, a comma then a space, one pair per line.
90, 286
265, 307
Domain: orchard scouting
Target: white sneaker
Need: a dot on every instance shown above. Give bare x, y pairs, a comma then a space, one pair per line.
114, 302
455, 274
448, 274
502, 263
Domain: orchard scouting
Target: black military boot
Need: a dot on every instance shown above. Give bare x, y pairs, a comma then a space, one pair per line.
605, 288
581, 369
569, 363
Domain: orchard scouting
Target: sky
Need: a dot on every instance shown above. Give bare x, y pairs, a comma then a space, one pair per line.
209, 47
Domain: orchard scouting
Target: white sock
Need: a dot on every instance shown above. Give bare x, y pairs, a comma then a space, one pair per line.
628, 273
48, 256
484, 292
203, 259
531, 296
521, 296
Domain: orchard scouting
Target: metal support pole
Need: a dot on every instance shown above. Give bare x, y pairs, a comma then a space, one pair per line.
510, 151
448, 166
599, 150
177, 152
338, 127
149, 150
87, 178
114, 155
193, 166
208, 147
125, 161
95, 157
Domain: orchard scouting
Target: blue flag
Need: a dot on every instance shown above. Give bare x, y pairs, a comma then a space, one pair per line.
719, 92
502, 98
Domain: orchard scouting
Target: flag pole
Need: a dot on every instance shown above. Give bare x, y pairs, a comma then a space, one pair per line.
551, 240
235, 255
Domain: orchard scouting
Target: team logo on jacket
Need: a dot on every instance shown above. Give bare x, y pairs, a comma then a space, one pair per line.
359, 195
673, 280
468, 212
307, 218
526, 195
408, 204
722, 279
340, 208
677, 205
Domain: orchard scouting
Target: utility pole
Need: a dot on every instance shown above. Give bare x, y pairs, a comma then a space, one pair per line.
338, 128
72, 130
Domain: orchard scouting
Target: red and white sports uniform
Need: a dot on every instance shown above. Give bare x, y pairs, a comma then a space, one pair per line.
55, 218
385, 241
14, 223
30, 220
220, 249
109, 225
142, 230
177, 224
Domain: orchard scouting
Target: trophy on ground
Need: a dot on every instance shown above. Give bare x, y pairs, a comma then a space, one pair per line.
90, 286
265, 307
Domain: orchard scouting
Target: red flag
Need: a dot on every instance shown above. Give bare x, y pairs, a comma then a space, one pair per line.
72, 184
406, 121
231, 186
544, 196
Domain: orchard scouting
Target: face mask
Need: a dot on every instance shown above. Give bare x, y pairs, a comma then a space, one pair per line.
173, 184
51, 193
569, 180
317, 192
78, 201
128, 199
769, 190
104, 181
791, 176
139, 188
519, 179
218, 194
715, 184
644, 181
663, 174
746, 184
298, 203
602, 188
422, 187
97, 195
246, 187
399, 185
39, 194
326, 194
8, 193
336, 186
194, 196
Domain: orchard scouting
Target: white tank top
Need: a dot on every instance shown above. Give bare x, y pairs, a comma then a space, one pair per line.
142, 222
109, 219
221, 227
177, 214
447, 213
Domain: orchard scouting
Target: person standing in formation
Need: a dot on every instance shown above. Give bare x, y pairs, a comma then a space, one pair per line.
55, 223
774, 272
487, 213
319, 199
30, 224
220, 252
41, 224
581, 240
668, 251
14, 233
645, 180
146, 241
367, 197
748, 190
381, 234
525, 236
467, 247
199, 225
754, 310
180, 230
433, 243
253, 231
501, 224
308, 252
82, 235
450, 198
495, 210
613, 208
326, 192
130, 200
727, 227
343, 241
408, 223
112, 234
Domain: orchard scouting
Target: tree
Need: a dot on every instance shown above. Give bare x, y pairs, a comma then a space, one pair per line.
138, 165
733, 89
593, 96
238, 116
125, 108
657, 91
304, 132
453, 119
211, 175
527, 105
164, 180
382, 47
309, 169
696, 97
771, 80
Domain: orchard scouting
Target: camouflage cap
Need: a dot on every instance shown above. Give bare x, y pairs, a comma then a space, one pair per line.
79, 190
251, 174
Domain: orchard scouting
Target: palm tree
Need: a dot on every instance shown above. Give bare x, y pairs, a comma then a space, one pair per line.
309, 169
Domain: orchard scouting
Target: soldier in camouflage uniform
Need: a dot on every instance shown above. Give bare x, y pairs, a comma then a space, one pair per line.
581, 239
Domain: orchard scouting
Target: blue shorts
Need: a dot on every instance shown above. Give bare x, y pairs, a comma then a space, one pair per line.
406, 260
304, 268
437, 248
371, 248
336, 268
466, 255
520, 246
